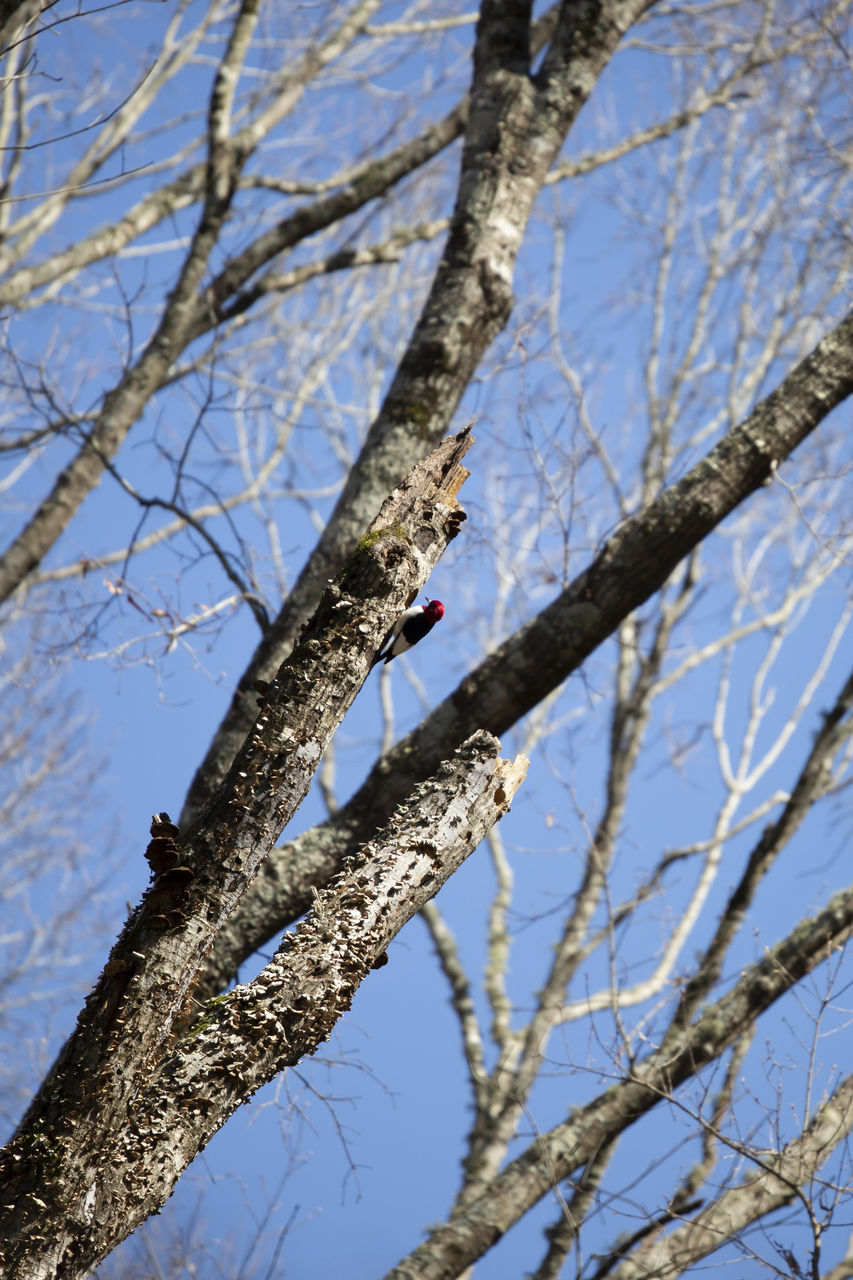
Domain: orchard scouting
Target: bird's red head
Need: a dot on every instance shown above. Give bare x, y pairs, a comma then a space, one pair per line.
435, 609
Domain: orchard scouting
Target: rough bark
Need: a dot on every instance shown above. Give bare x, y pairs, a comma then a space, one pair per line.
630, 567
516, 125
66, 1206
145, 991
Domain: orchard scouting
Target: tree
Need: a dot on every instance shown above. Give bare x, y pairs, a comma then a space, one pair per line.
304, 344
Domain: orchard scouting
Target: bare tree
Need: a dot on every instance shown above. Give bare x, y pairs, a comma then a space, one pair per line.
290, 353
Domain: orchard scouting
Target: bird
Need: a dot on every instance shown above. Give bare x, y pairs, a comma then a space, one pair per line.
410, 627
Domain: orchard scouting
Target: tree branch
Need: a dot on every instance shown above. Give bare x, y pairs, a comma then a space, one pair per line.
774, 1182
145, 990
555, 1155
126, 401
243, 1041
633, 564
513, 134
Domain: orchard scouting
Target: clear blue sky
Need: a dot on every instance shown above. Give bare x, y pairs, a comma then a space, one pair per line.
358, 1151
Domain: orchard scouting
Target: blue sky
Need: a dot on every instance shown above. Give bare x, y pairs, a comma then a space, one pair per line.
358, 1152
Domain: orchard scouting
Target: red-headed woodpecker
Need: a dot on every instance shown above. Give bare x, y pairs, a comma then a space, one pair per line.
409, 628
